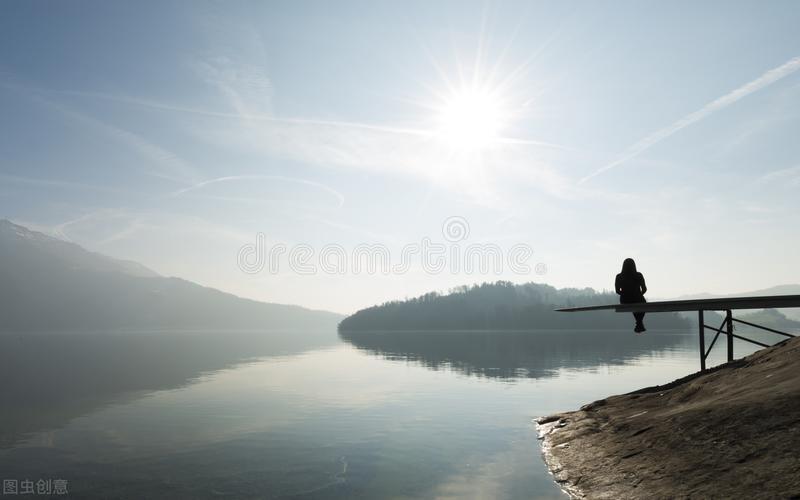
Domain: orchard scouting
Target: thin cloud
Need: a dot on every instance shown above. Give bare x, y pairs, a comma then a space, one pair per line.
55, 183
245, 86
376, 147
762, 81
791, 174
336, 194
173, 167
108, 225
147, 103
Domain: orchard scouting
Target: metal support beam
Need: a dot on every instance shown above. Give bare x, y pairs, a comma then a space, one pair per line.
729, 323
756, 342
702, 328
701, 305
716, 335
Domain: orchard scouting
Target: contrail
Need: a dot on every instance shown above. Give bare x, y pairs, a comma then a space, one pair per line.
759, 83
286, 121
336, 194
168, 160
243, 116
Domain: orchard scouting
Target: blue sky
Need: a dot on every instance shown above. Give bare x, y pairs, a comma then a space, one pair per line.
172, 133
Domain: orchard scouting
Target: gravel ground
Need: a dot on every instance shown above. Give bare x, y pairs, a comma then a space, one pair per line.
731, 432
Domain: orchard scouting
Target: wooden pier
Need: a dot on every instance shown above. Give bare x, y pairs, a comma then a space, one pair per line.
727, 305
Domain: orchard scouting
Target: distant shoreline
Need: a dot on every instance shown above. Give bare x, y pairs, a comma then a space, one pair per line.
525, 330
488, 330
520, 330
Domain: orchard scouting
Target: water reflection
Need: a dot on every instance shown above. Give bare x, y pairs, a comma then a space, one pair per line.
509, 354
326, 423
47, 379
345, 421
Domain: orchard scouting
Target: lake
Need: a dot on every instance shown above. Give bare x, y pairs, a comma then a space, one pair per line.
308, 414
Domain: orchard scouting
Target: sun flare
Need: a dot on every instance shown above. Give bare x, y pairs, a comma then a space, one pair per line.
470, 119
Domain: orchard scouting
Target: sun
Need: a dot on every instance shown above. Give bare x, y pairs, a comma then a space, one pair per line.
470, 119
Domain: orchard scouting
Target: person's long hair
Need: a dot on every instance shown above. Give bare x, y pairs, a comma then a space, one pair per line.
628, 266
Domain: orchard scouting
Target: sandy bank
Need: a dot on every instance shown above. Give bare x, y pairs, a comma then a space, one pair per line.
733, 432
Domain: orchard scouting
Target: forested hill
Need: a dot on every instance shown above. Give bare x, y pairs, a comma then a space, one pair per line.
501, 306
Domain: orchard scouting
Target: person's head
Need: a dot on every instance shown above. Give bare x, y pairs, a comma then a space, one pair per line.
628, 266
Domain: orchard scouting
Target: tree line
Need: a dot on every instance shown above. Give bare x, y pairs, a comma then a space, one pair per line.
501, 306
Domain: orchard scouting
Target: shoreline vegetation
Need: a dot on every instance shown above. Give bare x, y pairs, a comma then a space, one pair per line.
501, 306
730, 432
506, 306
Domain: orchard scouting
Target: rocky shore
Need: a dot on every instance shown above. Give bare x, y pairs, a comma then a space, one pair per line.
731, 432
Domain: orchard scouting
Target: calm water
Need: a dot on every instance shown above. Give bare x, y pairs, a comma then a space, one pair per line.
284, 415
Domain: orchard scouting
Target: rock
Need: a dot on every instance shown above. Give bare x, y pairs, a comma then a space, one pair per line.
730, 432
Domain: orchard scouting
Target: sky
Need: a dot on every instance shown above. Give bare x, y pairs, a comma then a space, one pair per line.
199, 137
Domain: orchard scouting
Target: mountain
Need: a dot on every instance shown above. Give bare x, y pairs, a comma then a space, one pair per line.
789, 289
501, 306
50, 284
772, 318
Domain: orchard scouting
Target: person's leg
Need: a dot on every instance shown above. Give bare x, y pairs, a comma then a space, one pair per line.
639, 320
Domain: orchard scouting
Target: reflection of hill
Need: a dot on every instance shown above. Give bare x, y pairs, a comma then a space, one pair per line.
48, 379
501, 354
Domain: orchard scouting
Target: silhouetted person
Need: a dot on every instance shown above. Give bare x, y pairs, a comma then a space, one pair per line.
631, 289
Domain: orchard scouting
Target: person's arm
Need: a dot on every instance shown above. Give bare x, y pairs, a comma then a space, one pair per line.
617, 288
642, 284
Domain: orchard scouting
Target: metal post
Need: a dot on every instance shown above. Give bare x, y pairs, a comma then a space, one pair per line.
729, 323
702, 328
